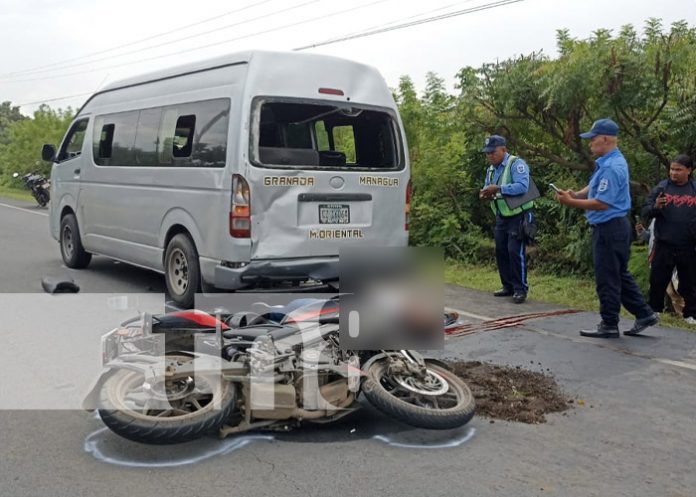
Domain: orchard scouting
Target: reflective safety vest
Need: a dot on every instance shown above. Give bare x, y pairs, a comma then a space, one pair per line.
498, 205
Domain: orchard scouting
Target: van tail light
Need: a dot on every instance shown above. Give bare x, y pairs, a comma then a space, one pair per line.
240, 210
409, 192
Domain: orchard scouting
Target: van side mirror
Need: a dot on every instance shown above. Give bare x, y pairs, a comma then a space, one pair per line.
48, 153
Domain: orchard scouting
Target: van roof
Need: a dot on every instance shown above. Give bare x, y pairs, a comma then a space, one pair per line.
224, 60
245, 57
274, 73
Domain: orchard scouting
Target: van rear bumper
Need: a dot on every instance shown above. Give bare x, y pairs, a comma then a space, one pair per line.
276, 270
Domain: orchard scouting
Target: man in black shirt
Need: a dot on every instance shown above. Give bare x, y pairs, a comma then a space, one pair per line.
673, 205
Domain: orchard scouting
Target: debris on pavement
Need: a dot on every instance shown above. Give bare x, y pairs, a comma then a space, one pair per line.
512, 393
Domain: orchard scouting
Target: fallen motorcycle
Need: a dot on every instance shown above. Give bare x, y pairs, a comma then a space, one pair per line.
233, 372
39, 186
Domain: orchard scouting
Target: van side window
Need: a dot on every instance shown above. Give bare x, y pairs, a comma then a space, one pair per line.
344, 142
147, 137
322, 135
183, 136
106, 140
299, 135
195, 134
114, 139
72, 145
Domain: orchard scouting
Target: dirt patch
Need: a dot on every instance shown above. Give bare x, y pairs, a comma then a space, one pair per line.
512, 393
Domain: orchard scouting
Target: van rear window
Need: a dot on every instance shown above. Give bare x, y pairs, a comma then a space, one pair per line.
325, 136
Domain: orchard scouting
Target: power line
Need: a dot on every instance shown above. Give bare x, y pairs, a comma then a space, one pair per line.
193, 49
204, 21
197, 35
410, 24
406, 18
55, 99
327, 42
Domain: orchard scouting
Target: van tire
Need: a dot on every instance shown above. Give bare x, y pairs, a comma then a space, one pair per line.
71, 249
182, 270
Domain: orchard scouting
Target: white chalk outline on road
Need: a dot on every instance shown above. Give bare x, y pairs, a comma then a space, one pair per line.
23, 209
680, 364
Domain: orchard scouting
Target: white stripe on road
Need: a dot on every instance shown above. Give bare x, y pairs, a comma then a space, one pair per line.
680, 364
475, 316
23, 209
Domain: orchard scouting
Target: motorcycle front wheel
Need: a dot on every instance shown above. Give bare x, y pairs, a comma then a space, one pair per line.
42, 198
179, 409
439, 400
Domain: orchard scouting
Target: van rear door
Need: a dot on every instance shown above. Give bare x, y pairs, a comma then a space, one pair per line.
323, 176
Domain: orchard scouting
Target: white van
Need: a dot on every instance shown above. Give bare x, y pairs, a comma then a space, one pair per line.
239, 171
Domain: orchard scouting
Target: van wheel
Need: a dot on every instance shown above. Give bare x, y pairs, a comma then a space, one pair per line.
74, 255
181, 270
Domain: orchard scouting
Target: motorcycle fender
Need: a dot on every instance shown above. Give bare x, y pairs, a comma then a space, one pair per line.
148, 367
415, 355
440, 363
372, 360
91, 400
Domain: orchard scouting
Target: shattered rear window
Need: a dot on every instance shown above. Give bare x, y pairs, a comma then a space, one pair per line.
324, 136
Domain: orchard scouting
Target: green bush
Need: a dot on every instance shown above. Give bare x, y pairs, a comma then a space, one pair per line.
639, 268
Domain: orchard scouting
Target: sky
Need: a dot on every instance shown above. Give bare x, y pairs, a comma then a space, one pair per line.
53, 49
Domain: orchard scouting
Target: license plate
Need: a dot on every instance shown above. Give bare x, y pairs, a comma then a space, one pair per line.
334, 214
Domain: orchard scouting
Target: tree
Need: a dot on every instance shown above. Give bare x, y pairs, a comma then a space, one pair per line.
439, 174
644, 83
8, 115
541, 104
25, 137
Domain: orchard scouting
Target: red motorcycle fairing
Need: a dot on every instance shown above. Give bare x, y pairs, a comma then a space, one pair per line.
190, 320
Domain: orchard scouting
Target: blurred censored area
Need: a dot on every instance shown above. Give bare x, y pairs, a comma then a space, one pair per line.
392, 298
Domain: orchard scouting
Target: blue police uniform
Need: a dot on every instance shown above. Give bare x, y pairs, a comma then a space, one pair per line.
611, 240
510, 249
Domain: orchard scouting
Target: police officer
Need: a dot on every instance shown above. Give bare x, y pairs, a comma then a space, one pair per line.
672, 203
607, 201
508, 175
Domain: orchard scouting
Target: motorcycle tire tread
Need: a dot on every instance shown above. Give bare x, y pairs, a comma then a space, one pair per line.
414, 415
169, 432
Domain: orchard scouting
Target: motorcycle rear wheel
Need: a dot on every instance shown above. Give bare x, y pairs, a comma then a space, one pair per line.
441, 401
179, 410
42, 198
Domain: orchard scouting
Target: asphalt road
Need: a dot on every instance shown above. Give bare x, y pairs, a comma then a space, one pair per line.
635, 435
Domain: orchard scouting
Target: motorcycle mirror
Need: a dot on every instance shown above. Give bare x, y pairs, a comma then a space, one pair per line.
15, 175
48, 153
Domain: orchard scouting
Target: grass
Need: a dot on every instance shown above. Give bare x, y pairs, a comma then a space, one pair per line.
15, 193
574, 292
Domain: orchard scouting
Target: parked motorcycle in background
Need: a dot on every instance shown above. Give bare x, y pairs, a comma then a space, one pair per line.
39, 185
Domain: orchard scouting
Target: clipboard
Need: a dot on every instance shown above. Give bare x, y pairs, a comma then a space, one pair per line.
513, 202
